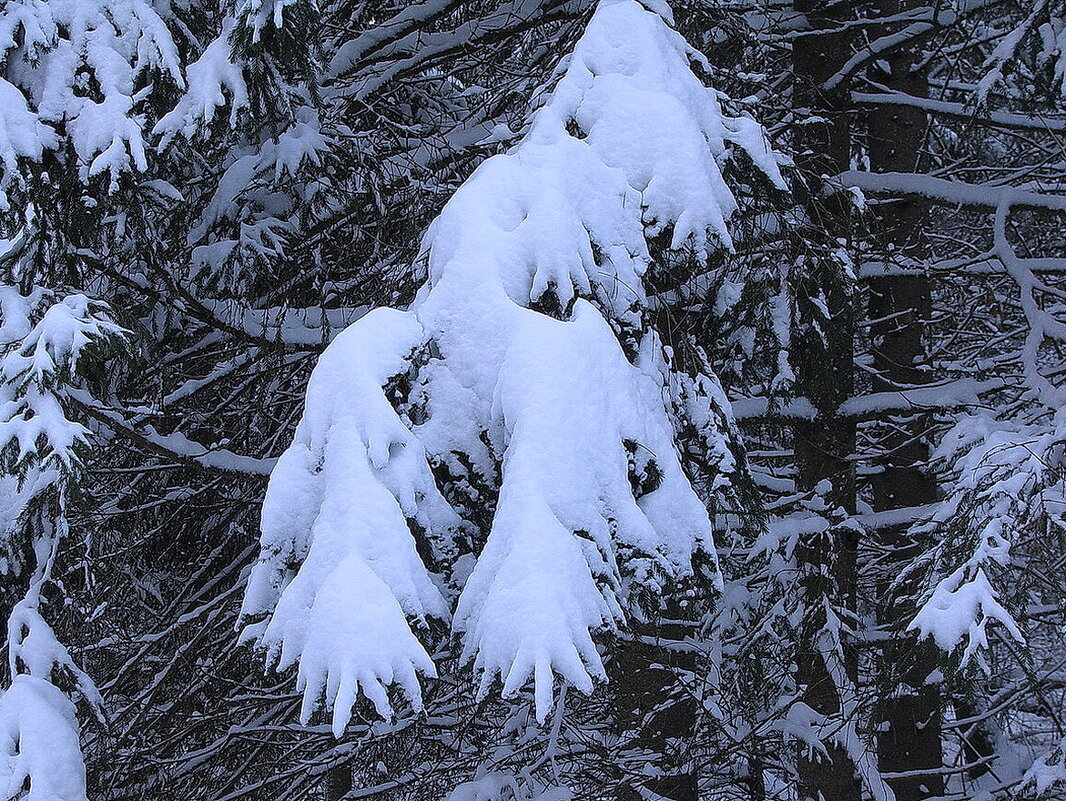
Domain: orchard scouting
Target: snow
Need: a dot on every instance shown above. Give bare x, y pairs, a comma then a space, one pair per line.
42, 338
212, 81
1053, 41
954, 192
248, 192
960, 607
337, 505
1047, 772
804, 725
1004, 52
628, 82
33, 649
531, 372
929, 19
1041, 123
39, 743
175, 443
14, 500
31, 412
22, 135
46, 50
1007, 479
258, 14
498, 786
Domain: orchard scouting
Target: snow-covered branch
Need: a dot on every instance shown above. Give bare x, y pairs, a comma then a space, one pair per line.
1034, 122
524, 372
175, 445
951, 192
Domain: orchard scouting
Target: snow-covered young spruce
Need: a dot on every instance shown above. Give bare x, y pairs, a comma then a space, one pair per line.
525, 383
42, 338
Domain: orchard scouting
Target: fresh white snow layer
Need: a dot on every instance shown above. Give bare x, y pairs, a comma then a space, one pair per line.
533, 373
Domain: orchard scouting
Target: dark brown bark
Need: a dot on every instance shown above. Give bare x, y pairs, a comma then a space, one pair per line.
338, 783
644, 674
822, 358
909, 737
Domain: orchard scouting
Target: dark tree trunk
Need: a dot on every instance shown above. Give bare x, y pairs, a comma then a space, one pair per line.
822, 357
338, 783
978, 744
909, 737
651, 711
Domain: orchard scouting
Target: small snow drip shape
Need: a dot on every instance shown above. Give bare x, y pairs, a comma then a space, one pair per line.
525, 378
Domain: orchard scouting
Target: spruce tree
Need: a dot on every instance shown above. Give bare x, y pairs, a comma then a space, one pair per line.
511, 444
44, 339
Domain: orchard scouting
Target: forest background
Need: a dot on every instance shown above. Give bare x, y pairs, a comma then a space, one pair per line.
196, 198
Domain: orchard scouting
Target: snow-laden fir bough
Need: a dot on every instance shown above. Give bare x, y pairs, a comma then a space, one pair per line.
50, 48
42, 339
525, 372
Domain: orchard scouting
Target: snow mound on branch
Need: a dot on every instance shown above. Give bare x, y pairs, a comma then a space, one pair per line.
564, 403
560, 221
22, 135
244, 177
39, 743
39, 735
210, 79
535, 375
337, 508
961, 606
1048, 773
36, 350
1008, 478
